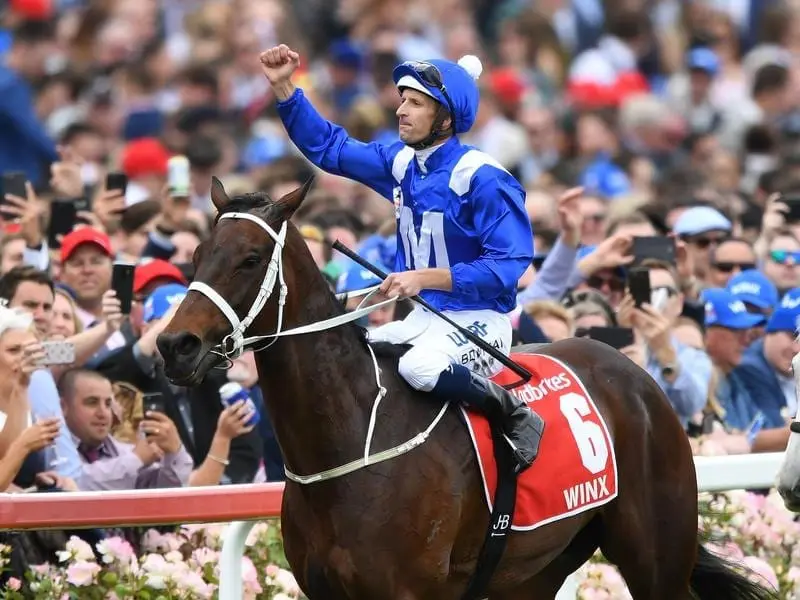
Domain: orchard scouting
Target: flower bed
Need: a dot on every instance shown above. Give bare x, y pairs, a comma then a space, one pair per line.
756, 531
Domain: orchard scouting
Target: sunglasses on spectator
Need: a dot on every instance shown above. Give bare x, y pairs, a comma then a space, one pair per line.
430, 76
615, 284
581, 332
783, 257
704, 242
729, 267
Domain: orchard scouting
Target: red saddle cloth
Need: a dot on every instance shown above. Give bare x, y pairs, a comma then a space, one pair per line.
576, 469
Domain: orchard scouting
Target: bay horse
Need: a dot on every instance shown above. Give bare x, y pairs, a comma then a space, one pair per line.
411, 528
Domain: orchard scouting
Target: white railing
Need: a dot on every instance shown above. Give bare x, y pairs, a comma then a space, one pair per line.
714, 474
245, 504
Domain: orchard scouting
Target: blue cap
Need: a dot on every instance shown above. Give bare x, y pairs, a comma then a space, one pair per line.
700, 219
787, 316
605, 179
723, 309
755, 288
461, 87
703, 59
162, 299
263, 150
345, 53
357, 277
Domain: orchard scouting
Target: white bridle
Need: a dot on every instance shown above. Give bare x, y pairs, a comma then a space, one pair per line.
274, 273
238, 343
233, 344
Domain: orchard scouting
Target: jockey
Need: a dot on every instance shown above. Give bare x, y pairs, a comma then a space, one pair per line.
463, 235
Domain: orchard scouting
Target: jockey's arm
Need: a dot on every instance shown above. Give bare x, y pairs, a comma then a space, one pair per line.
329, 147
502, 224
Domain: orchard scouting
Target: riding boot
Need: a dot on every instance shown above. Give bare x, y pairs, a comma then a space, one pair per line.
522, 427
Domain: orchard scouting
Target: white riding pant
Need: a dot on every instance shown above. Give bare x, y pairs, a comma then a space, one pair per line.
437, 345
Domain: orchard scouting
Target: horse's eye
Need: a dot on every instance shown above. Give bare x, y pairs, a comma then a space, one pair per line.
251, 261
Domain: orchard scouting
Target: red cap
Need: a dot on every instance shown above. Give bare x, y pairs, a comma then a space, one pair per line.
507, 85
84, 235
147, 273
145, 156
33, 9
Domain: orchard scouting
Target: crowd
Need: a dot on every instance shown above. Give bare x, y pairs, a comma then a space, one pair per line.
623, 120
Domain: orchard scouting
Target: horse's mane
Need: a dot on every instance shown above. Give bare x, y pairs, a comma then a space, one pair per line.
262, 203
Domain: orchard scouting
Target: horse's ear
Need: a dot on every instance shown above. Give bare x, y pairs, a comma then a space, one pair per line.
218, 194
292, 201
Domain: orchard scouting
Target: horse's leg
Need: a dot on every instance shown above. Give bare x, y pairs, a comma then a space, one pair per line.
650, 530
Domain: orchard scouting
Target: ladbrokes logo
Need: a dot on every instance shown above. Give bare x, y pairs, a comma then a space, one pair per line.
532, 393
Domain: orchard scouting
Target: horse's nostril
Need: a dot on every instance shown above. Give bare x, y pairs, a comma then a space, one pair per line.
184, 345
187, 344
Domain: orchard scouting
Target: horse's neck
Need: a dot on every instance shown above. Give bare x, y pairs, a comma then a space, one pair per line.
318, 389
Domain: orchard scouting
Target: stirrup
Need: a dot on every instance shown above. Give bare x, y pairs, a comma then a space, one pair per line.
521, 463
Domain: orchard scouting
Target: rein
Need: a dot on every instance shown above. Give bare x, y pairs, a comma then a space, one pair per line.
233, 344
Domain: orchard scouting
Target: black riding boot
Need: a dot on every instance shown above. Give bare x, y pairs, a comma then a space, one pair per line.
523, 428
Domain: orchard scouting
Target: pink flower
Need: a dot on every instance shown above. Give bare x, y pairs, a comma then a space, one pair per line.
286, 582
203, 556
76, 549
82, 573
272, 571
14, 584
194, 582
250, 578
115, 549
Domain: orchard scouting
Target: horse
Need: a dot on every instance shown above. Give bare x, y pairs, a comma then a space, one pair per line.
411, 528
789, 474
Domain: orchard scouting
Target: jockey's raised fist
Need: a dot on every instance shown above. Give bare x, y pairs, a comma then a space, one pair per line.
278, 63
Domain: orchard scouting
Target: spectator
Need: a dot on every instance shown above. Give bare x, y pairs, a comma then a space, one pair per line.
782, 263
703, 229
683, 372
12, 252
26, 146
22, 442
728, 259
766, 370
158, 459
727, 329
554, 320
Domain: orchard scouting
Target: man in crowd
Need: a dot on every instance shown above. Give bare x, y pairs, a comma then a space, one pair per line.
728, 326
158, 459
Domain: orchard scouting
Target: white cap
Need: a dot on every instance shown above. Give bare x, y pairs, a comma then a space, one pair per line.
407, 81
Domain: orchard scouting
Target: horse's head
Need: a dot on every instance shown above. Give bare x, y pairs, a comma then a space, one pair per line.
242, 273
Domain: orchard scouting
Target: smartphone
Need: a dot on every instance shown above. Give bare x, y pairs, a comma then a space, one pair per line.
153, 402
639, 285
117, 181
179, 177
13, 183
793, 202
616, 337
63, 216
122, 284
58, 353
657, 247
